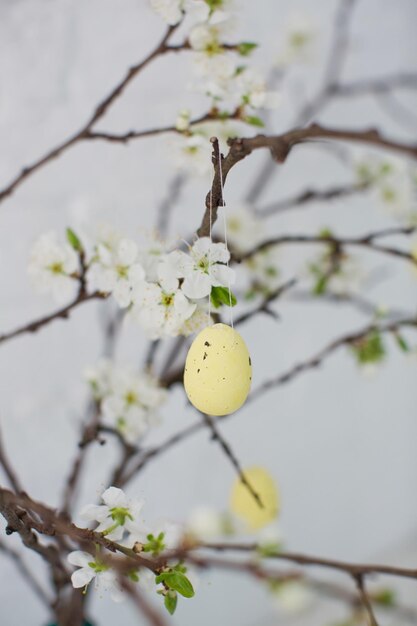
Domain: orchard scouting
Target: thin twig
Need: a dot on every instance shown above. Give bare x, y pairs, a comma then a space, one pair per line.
280, 146
230, 454
310, 363
26, 574
334, 63
316, 360
310, 196
7, 467
366, 241
359, 578
98, 113
63, 313
144, 607
263, 306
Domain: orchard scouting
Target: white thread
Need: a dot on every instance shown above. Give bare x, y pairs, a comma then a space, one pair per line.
219, 156
211, 241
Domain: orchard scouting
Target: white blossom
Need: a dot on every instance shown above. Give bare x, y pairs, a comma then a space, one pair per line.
100, 378
117, 515
244, 229
299, 40
394, 181
105, 580
199, 319
169, 10
252, 90
203, 268
270, 538
52, 265
150, 254
216, 74
163, 308
205, 523
292, 597
172, 11
116, 270
211, 34
182, 122
263, 273
129, 400
192, 153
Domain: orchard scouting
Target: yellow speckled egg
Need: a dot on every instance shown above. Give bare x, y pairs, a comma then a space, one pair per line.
244, 505
218, 371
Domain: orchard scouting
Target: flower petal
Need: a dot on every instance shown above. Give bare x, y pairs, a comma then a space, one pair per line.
114, 497
94, 512
79, 558
222, 275
197, 285
127, 252
219, 253
81, 577
201, 247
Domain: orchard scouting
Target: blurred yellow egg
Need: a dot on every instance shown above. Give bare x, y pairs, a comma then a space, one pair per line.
244, 505
218, 371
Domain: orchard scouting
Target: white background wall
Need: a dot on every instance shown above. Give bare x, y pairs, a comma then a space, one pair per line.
341, 446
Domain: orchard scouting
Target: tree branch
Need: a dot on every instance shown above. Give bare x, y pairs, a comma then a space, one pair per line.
63, 313
366, 241
365, 600
319, 357
310, 196
144, 607
7, 467
97, 114
280, 146
26, 574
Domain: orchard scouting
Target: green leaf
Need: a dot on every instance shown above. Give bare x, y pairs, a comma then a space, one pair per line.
269, 549
134, 576
320, 286
155, 545
170, 602
176, 581
222, 295
246, 47
401, 342
385, 597
369, 349
253, 120
240, 69
73, 240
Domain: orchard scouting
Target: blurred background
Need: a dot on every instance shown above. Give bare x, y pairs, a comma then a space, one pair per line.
341, 444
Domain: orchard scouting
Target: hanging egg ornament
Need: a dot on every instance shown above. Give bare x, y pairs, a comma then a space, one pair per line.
243, 504
218, 371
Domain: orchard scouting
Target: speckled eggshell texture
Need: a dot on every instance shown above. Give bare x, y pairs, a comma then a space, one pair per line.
218, 371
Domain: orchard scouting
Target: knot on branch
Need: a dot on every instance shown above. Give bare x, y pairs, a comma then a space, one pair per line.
279, 149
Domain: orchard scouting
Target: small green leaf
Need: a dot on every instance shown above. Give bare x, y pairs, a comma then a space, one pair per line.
326, 233
320, 286
73, 240
222, 295
246, 47
269, 549
240, 69
134, 576
155, 544
385, 597
178, 582
253, 120
170, 601
369, 349
401, 342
